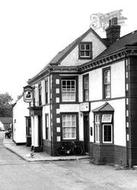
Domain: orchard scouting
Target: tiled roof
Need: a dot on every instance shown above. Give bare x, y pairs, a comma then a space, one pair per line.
69, 48
62, 54
104, 107
129, 39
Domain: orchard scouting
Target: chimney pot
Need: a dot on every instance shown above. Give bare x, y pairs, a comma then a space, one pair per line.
113, 30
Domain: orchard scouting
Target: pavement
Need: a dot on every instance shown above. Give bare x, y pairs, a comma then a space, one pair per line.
25, 153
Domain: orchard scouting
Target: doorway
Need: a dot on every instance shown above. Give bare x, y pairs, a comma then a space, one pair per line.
40, 133
86, 132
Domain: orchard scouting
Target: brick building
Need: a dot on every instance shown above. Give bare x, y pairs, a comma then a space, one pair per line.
87, 95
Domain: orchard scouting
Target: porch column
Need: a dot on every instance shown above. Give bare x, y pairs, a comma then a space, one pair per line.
32, 131
36, 144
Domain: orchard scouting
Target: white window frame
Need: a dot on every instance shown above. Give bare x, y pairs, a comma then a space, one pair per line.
84, 50
68, 138
68, 90
85, 88
103, 134
107, 83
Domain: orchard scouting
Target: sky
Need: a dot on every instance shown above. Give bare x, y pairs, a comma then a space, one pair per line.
32, 32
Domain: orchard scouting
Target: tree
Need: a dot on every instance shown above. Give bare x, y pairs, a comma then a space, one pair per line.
5, 105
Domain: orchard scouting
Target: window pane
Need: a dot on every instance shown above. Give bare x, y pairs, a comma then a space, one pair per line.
86, 96
87, 53
107, 133
107, 76
86, 88
82, 53
107, 91
87, 47
46, 92
107, 83
82, 46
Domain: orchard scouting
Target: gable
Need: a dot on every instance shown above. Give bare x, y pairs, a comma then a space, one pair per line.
104, 107
72, 59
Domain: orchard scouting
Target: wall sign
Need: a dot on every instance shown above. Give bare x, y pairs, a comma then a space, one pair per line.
106, 118
84, 107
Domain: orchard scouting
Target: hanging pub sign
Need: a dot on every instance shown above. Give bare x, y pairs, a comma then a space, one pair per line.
84, 107
27, 94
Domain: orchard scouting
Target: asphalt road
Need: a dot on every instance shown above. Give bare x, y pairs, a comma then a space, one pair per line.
17, 174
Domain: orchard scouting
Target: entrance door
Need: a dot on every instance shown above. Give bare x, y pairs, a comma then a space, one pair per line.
28, 130
86, 132
40, 132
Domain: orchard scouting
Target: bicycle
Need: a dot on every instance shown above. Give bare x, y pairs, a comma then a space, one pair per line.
70, 148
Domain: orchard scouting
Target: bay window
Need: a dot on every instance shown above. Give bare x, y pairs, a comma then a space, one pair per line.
103, 128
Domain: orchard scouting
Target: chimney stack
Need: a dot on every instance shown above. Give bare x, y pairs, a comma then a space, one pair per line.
113, 31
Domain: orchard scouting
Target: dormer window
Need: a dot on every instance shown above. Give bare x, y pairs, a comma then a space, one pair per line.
85, 50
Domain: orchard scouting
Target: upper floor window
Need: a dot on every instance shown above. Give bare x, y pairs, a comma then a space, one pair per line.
39, 91
46, 91
85, 50
85, 87
68, 89
106, 83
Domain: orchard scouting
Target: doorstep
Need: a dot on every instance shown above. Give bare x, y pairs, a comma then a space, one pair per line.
25, 153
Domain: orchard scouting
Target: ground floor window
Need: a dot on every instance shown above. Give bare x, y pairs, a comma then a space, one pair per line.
107, 133
103, 125
68, 126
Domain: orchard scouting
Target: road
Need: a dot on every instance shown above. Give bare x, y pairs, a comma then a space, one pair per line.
17, 174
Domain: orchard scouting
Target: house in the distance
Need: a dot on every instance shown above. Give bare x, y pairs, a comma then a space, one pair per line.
87, 95
20, 115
